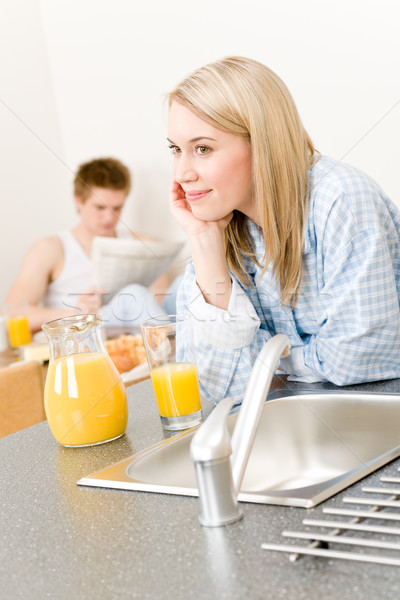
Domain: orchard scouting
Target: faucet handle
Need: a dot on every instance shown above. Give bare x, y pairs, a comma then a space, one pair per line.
212, 439
210, 451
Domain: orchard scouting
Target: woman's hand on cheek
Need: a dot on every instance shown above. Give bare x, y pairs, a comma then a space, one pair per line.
182, 212
206, 239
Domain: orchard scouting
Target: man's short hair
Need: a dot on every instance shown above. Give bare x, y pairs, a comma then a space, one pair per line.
108, 173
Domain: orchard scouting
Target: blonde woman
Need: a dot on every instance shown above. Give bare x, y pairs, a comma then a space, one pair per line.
283, 239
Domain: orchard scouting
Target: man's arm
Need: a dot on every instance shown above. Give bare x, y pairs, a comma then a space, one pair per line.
41, 264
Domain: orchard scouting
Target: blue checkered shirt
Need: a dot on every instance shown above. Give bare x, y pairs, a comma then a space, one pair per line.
345, 327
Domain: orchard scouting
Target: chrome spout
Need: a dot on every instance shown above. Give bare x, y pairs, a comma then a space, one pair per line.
220, 463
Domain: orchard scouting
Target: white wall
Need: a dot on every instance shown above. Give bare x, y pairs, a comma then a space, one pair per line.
33, 179
88, 77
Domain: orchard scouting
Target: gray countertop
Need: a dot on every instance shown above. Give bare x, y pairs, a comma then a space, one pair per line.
58, 540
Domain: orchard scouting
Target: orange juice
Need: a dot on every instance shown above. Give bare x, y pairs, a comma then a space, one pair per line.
85, 400
176, 388
18, 331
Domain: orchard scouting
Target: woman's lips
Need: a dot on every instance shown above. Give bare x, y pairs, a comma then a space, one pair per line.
196, 195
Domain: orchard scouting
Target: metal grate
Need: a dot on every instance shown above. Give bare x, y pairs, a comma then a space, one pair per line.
360, 533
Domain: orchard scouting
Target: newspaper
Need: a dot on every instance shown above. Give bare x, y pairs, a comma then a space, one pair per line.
118, 262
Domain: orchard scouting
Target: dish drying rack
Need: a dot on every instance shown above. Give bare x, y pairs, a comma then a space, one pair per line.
320, 543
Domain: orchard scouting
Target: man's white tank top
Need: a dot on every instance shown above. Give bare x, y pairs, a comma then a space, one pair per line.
76, 275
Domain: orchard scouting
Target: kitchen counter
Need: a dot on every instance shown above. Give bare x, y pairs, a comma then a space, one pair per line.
61, 541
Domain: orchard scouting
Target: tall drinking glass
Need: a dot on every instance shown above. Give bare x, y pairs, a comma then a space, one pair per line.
19, 332
174, 378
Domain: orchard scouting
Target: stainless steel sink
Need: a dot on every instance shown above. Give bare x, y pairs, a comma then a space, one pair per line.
309, 446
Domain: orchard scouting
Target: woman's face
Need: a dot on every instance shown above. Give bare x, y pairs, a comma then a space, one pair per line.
212, 166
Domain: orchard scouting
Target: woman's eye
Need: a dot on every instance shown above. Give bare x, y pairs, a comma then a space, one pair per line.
203, 149
174, 149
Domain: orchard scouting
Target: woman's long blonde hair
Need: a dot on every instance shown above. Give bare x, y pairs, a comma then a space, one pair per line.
244, 97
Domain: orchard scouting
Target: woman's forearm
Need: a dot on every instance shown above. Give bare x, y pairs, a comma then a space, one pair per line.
212, 273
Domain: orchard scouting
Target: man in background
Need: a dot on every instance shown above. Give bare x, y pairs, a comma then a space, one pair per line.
56, 272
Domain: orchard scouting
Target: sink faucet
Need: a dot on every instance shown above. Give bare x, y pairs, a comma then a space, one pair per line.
219, 462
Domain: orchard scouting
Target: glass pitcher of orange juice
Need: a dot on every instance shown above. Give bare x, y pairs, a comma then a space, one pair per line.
84, 397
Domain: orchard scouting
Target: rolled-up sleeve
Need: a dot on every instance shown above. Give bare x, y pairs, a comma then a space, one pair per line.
227, 342
229, 329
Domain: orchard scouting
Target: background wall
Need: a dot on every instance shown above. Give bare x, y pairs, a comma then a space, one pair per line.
81, 79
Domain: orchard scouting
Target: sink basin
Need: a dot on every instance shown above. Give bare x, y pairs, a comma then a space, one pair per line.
309, 446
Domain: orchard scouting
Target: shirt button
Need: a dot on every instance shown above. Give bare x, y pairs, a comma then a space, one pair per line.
227, 317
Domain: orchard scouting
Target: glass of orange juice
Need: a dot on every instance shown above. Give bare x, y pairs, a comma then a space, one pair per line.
170, 355
84, 397
19, 332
